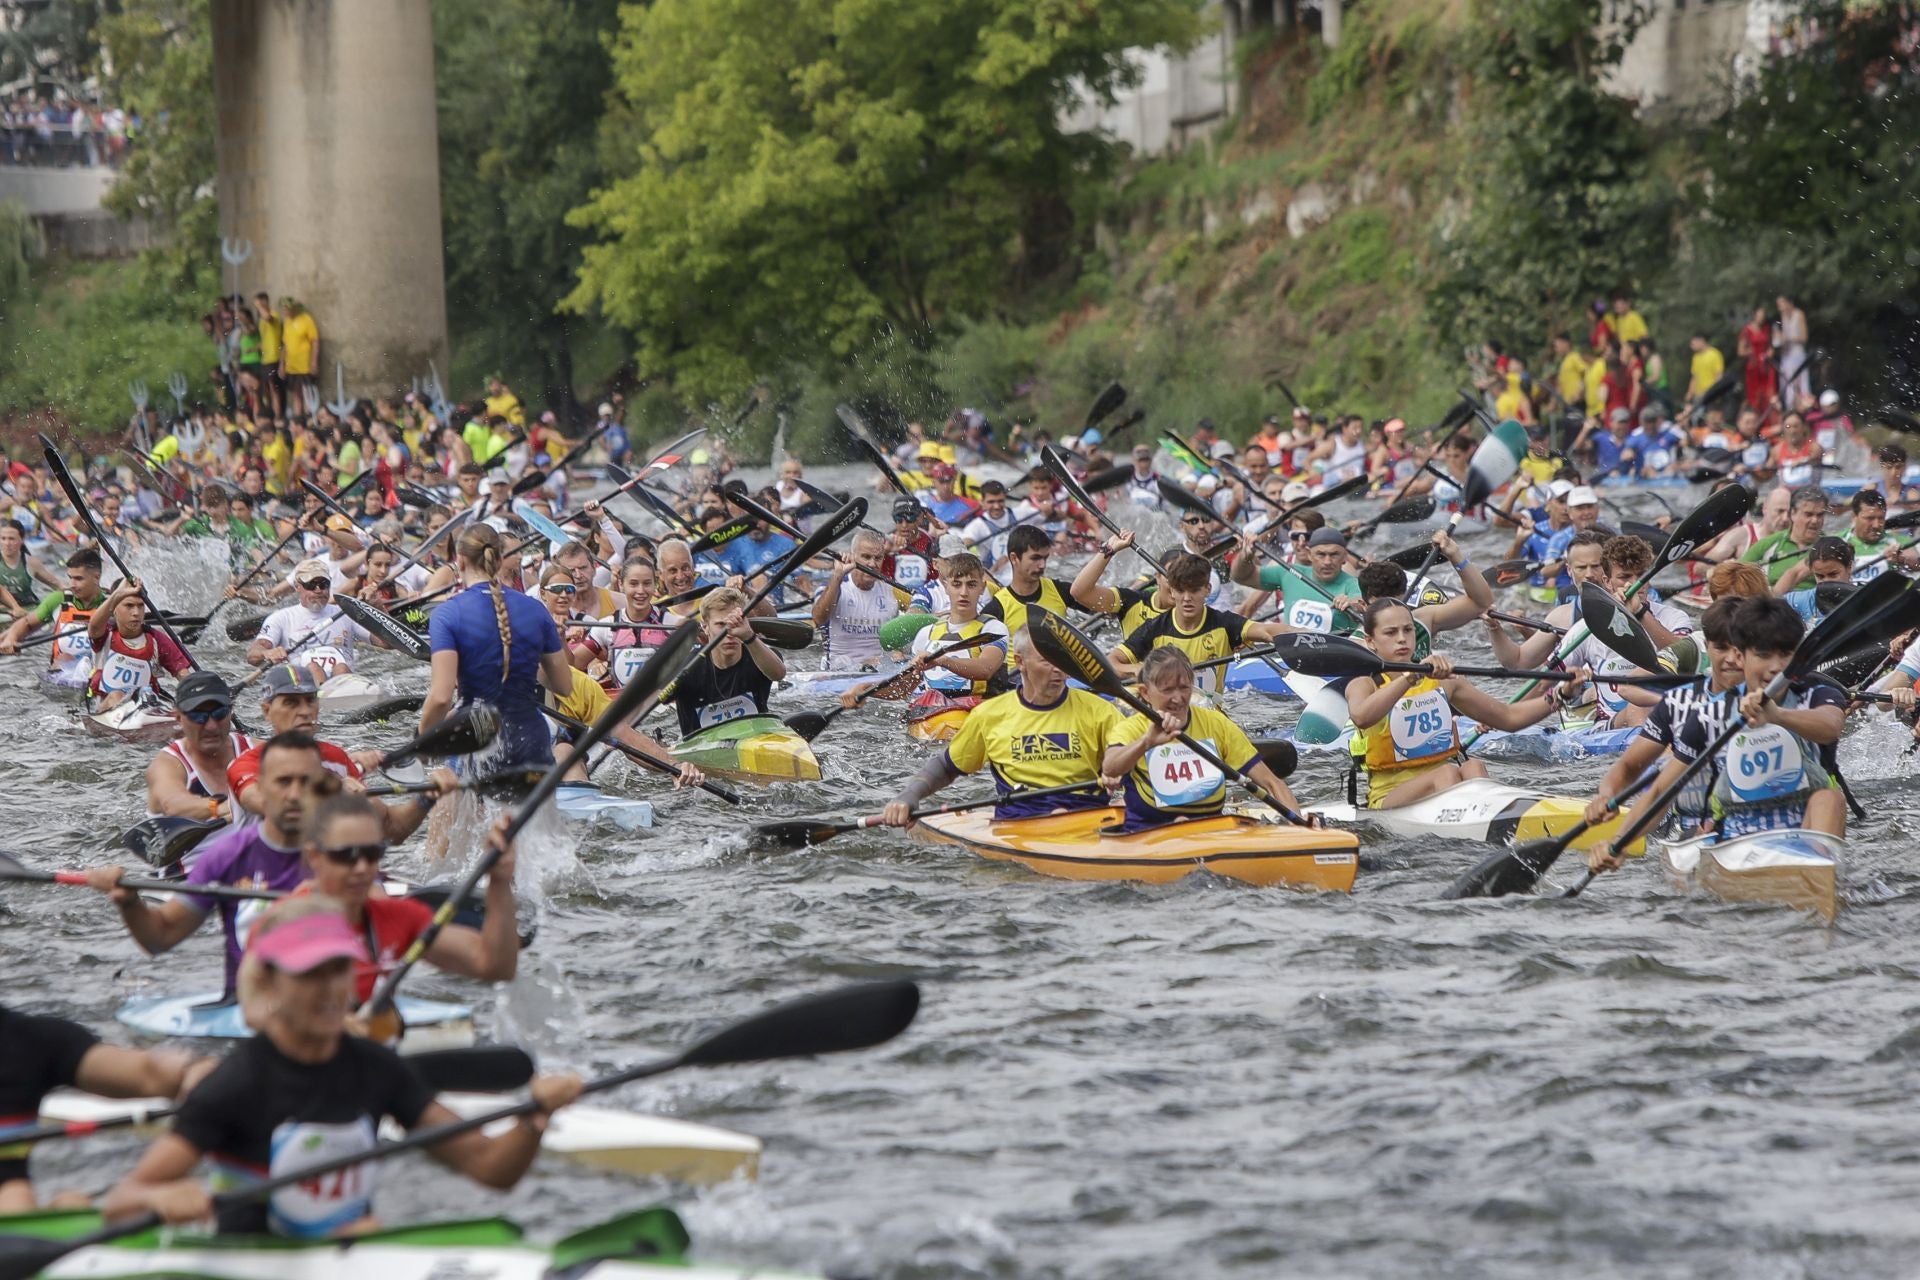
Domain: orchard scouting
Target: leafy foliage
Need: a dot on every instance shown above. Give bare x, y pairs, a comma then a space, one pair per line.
788, 188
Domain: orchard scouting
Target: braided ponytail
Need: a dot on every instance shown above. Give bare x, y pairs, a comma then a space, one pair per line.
479, 546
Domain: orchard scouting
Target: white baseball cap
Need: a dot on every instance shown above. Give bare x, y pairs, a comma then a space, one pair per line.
1829, 398
606, 409
1206, 483
951, 544
1583, 496
1561, 488
1295, 491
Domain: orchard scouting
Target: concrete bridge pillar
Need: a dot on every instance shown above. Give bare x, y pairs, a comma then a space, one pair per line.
329, 164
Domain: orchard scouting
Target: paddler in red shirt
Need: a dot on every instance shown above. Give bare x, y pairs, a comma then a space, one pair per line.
128, 658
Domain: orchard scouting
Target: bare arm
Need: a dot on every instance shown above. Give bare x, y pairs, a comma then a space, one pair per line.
1368, 703
114, 1072
829, 596
440, 692
1498, 714
155, 929
168, 793
555, 672
765, 657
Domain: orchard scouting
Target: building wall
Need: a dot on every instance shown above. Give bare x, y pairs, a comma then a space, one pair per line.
1691, 51
1178, 99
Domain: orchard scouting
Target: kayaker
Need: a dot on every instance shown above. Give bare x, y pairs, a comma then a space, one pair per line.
70, 657
344, 845
495, 645
1870, 540
302, 1091
187, 778
1806, 520
1778, 771
323, 636
986, 534
959, 679
558, 594
853, 606
1324, 596
131, 656
591, 600
20, 570
1028, 550
1043, 734
1586, 562
1900, 681
612, 655
1383, 579
1829, 563
261, 855
1131, 605
47, 1053
732, 682
1547, 546
1191, 624
1774, 510
1163, 780
1407, 720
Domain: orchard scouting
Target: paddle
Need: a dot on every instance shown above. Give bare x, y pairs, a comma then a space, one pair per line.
1521, 867
277, 548
811, 724
857, 427
1718, 513
1335, 657
1456, 418
1056, 464
757, 512
504, 784
1531, 624
460, 734
1067, 648
58, 465
1406, 511
164, 840
533, 477
714, 539
783, 633
854, 1017
799, 833
1112, 398
11, 868
1518, 869
669, 767
1616, 627
389, 628
662, 458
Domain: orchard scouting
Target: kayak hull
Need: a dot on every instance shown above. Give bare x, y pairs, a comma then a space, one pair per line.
1076, 846
758, 750
1794, 868
941, 726
349, 691
431, 1024
133, 721
1487, 812
584, 802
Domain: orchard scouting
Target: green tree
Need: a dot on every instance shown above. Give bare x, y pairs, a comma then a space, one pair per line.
1562, 205
522, 86
794, 182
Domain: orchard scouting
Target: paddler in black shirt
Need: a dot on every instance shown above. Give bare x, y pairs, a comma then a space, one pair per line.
732, 682
303, 1091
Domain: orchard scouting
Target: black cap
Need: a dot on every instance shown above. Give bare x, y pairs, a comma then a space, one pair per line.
202, 689
1327, 536
906, 511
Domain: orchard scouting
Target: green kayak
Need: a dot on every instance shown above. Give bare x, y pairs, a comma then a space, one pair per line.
648, 1244
759, 749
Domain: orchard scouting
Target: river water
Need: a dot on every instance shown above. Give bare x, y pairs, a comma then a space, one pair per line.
1120, 1080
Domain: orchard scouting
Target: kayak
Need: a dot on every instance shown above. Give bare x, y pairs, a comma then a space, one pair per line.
1794, 868
830, 683
938, 726
349, 691
67, 681
648, 1244
431, 1024
1550, 743
1485, 811
1077, 846
758, 749
1259, 677
604, 1137
134, 721
585, 802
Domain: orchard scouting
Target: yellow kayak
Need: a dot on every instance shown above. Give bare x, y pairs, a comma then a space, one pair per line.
940, 726
1485, 812
758, 749
1077, 846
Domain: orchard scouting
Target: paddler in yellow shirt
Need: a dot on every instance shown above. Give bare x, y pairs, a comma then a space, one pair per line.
1043, 734
1191, 625
1028, 550
586, 702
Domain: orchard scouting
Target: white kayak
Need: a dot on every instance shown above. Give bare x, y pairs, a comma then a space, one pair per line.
349, 691
1795, 868
134, 720
1484, 811
431, 1024
607, 1138
585, 802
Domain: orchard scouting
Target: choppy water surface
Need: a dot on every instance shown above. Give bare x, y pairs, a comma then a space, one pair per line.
1123, 1080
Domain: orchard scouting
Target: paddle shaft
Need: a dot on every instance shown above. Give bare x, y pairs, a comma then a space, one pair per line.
1433, 553
1541, 676
78, 879
649, 760
758, 512
1531, 624
1194, 745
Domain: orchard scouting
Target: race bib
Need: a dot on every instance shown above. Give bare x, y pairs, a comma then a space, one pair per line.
736, 708
947, 681
1755, 454
1764, 764
1659, 459
1422, 726
1799, 474
910, 570
1311, 615
627, 662
121, 674
1179, 776
1611, 700
326, 658
320, 1206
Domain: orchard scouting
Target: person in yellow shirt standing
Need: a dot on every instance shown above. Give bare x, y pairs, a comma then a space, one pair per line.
270, 351
1571, 374
502, 403
299, 349
1597, 385
1627, 324
1707, 366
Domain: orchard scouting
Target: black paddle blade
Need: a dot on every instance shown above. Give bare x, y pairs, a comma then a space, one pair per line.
529, 482
1278, 755
1616, 628
1852, 667
1407, 511
163, 841
1511, 573
460, 734
714, 539
387, 627
783, 633
493, 1068
1904, 519
1068, 648
414, 496
808, 724
23, 1257
1828, 595
1316, 654
1186, 499
857, 1017
1410, 558
245, 628
1111, 478
775, 837
1720, 512
1514, 870
1651, 534
1900, 421
507, 784
1110, 399
1705, 475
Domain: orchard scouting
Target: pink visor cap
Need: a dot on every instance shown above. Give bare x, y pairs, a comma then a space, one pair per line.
303, 945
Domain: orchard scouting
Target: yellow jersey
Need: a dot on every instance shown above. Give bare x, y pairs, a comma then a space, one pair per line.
1218, 635
1171, 781
507, 405
1011, 608
944, 633
1573, 378
1704, 370
1418, 730
299, 335
1027, 746
1597, 389
269, 338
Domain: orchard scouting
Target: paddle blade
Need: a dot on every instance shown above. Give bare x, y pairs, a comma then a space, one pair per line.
23, 1257
1494, 462
1651, 534
1278, 755
414, 496
783, 633
776, 837
1511, 573
1900, 421
1327, 656
480, 1069
1720, 512
1410, 558
244, 629
163, 841
1111, 478
1325, 716
387, 627
1069, 649
1615, 627
1514, 870
1110, 399
856, 1017
530, 481
1345, 489
808, 724
460, 734
1827, 596
1185, 499
1408, 511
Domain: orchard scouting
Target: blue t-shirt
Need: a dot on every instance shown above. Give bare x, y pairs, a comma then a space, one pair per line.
467, 625
1610, 456
746, 557
1548, 545
1655, 448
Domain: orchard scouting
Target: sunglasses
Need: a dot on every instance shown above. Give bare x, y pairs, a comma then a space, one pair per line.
1194, 520
560, 588
206, 715
347, 854
317, 584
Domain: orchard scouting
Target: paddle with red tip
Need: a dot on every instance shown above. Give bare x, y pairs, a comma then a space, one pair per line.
11, 868
854, 1017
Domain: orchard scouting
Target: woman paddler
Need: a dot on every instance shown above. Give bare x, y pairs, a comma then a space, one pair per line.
1407, 720
1163, 779
495, 645
611, 656
128, 657
304, 1091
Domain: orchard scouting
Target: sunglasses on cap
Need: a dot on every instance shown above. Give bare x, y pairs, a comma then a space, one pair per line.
316, 584
206, 715
347, 854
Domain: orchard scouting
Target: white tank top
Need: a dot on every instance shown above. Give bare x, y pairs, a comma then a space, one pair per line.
1348, 461
853, 632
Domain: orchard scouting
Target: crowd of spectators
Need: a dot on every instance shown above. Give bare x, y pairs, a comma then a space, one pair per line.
63, 133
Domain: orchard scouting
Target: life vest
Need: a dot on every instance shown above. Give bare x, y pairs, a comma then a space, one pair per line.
1418, 730
628, 649
939, 635
1796, 464
69, 653
126, 666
